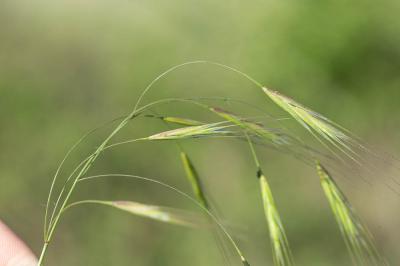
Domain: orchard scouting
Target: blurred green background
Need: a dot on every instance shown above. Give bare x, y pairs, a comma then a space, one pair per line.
69, 66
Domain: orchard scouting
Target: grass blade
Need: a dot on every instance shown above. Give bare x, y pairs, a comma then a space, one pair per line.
358, 239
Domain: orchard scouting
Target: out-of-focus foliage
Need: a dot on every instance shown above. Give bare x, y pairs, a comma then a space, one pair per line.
69, 66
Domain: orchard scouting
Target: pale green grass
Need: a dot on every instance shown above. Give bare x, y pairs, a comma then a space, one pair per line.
158, 213
194, 180
332, 136
182, 121
280, 245
252, 127
282, 255
318, 125
358, 239
214, 129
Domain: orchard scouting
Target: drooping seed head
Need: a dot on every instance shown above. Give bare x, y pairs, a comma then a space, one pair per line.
356, 235
194, 180
181, 121
280, 245
317, 124
252, 127
215, 129
162, 214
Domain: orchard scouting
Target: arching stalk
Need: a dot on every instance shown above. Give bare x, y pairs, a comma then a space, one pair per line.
87, 165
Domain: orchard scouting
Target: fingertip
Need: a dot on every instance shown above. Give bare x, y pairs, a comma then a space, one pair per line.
13, 252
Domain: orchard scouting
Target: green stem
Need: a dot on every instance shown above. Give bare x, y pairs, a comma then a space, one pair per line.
253, 151
59, 169
101, 202
258, 84
84, 169
121, 125
195, 201
44, 249
92, 159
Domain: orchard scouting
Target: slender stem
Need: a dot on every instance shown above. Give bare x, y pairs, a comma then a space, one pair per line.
203, 208
63, 190
192, 63
253, 151
127, 118
44, 249
46, 222
101, 202
84, 169
88, 164
89, 161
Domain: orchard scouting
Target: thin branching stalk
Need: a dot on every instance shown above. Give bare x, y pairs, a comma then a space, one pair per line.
87, 163
193, 177
83, 171
315, 123
195, 201
61, 165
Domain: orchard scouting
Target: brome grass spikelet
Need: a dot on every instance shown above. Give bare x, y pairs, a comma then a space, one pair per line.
282, 255
315, 123
281, 251
252, 127
358, 239
214, 129
158, 213
181, 121
194, 180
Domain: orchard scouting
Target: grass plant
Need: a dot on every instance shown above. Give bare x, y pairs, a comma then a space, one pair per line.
229, 125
